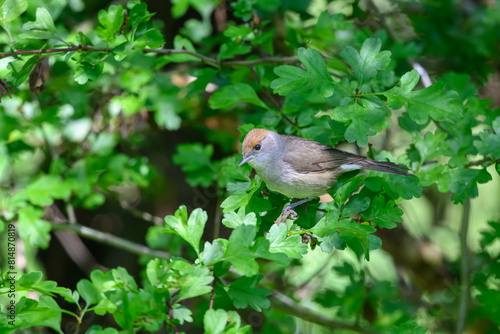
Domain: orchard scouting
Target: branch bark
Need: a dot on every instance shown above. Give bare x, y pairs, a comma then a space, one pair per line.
208, 60
283, 303
110, 239
464, 269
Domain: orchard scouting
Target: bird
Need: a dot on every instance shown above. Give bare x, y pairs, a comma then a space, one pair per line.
303, 169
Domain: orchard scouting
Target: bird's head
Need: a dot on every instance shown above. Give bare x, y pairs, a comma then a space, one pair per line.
260, 147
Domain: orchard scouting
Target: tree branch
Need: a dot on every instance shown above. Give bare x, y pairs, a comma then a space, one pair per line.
110, 239
283, 303
208, 60
464, 269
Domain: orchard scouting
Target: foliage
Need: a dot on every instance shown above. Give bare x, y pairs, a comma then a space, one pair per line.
80, 121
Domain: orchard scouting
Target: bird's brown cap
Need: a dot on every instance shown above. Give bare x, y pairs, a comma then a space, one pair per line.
254, 137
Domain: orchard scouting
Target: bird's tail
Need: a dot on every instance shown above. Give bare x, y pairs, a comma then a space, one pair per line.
386, 167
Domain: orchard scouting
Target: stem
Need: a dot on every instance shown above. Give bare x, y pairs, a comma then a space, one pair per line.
208, 60
211, 305
111, 240
285, 304
464, 269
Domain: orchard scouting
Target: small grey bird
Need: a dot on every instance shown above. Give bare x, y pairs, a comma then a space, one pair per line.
301, 168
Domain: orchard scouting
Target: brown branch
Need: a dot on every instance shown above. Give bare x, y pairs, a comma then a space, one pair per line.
464, 269
208, 60
111, 240
284, 303
252, 62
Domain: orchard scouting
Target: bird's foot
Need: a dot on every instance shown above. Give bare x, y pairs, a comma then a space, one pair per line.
293, 214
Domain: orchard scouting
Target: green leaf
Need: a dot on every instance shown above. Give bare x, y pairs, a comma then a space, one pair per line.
88, 292
46, 188
190, 229
424, 103
44, 313
368, 61
195, 281
490, 141
363, 120
345, 185
242, 250
167, 117
32, 228
111, 22
244, 292
213, 252
230, 49
329, 224
395, 186
280, 243
12, 9
220, 321
232, 219
21, 70
465, 182
355, 205
229, 95
292, 79
384, 214
329, 242
182, 313
214, 321
44, 19
182, 43
195, 161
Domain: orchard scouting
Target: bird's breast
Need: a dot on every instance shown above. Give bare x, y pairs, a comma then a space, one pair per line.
289, 182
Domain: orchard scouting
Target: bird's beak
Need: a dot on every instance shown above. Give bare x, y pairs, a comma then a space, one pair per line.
245, 160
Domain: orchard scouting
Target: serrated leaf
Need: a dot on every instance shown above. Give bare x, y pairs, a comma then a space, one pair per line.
355, 205
330, 223
329, 242
214, 321
384, 214
195, 160
244, 292
46, 188
229, 95
361, 120
190, 229
195, 283
232, 219
465, 182
368, 61
432, 101
291, 78
345, 185
280, 243
111, 21
213, 252
242, 250
32, 228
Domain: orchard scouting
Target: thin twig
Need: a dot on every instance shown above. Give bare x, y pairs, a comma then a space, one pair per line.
464, 269
284, 303
211, 305
111, 240
252, 62
146, 216
208, 60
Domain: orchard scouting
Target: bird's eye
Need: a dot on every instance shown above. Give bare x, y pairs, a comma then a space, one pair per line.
257, 147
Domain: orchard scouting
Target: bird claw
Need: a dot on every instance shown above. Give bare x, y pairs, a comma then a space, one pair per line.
293, 214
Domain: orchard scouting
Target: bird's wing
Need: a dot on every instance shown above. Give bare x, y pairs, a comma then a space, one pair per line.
307, 156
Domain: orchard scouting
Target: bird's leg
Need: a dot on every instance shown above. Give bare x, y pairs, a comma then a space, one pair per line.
293, 205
